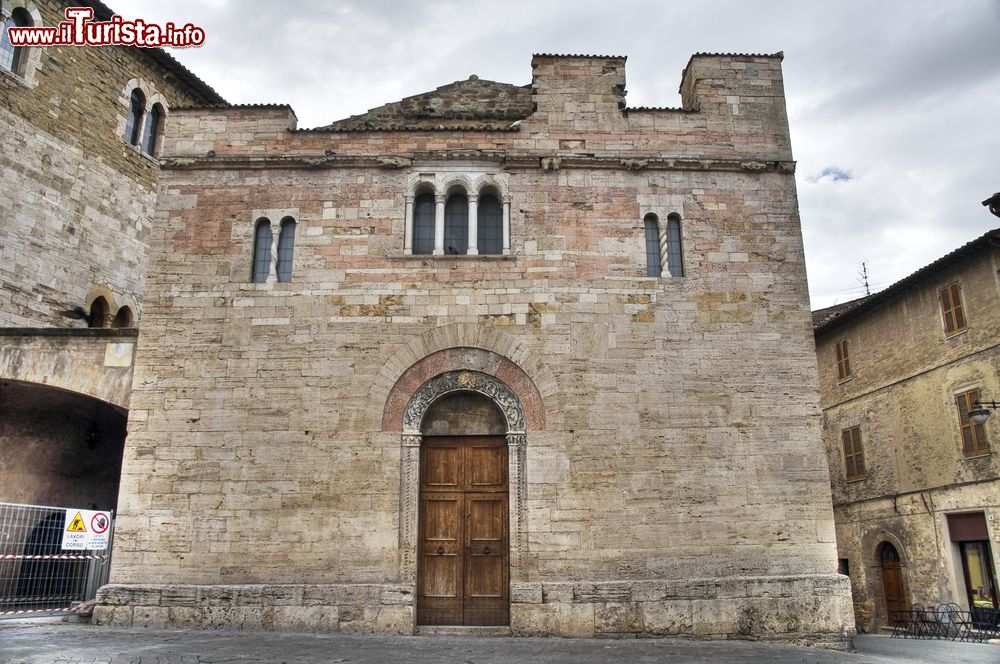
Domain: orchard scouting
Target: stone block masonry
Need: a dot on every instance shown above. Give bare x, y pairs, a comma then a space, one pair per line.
665, 473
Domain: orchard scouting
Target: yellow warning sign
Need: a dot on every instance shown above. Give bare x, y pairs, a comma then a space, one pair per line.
76, 525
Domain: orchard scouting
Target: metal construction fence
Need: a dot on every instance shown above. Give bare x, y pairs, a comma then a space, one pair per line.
40, 573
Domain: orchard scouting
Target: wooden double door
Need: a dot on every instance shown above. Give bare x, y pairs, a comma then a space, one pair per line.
463, 567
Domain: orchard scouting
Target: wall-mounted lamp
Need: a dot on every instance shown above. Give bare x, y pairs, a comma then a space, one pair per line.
981, 411
993, 203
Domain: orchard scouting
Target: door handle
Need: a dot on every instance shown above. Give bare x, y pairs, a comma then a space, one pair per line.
486, 550
440, 550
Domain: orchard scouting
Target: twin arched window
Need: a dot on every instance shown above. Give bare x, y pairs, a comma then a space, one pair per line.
457, 228
143, 129
12, 58
100, 315
262, 257
669, 249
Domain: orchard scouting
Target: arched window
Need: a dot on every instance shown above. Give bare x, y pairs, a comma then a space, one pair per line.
99, 310
152, 130
12, 58
675, 255
123, 318
423, 224
261, 251
286, 247
456, 224
652, 225
489, 225
133, 124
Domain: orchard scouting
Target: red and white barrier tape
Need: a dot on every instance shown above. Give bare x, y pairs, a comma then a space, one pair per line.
27, 611
18, 556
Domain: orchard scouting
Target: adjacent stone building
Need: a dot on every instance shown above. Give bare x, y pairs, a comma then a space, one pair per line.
515, 356
81, 129
916, 486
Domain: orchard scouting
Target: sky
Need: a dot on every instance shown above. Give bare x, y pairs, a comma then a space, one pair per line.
894, 105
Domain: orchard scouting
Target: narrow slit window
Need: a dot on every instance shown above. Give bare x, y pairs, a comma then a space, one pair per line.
653, 266
133, 124
675, 255
152, 129
974, 441
489, 225
423, 224
262, 251
286, 248
456, 225
854, 456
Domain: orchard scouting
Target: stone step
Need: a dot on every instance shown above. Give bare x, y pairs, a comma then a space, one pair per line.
462, 630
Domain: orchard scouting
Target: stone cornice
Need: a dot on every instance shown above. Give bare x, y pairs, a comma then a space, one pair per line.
508, 161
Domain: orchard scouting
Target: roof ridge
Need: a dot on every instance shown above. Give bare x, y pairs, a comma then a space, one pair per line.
991, 237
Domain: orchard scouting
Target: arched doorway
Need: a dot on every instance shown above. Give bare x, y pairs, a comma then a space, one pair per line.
463, 454
892, 582
464, 546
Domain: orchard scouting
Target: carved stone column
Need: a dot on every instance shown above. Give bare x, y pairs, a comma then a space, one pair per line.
409, 496
408, 231
662, 230
272, 269
516, 449
473, 225
439, 224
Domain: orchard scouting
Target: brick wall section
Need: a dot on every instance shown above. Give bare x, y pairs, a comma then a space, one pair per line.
906, 373
679, 431
75, 199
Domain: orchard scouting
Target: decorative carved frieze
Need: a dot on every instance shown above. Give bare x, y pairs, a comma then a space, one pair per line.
464, 381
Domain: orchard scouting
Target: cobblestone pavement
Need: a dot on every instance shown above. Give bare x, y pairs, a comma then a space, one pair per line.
59, 643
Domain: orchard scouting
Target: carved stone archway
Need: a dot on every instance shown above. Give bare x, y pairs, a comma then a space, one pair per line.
508, 403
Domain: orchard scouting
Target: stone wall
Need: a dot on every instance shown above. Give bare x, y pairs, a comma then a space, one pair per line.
905, 375
671, 428
76, 200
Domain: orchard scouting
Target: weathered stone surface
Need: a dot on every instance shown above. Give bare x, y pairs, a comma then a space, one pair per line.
667, 618
115, 616
655, 454
305, 618
618, 618
525, 593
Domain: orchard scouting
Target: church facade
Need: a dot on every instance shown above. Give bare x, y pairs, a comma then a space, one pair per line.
495, 355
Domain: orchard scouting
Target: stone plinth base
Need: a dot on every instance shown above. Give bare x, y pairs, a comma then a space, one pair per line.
293, 608
810, 610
